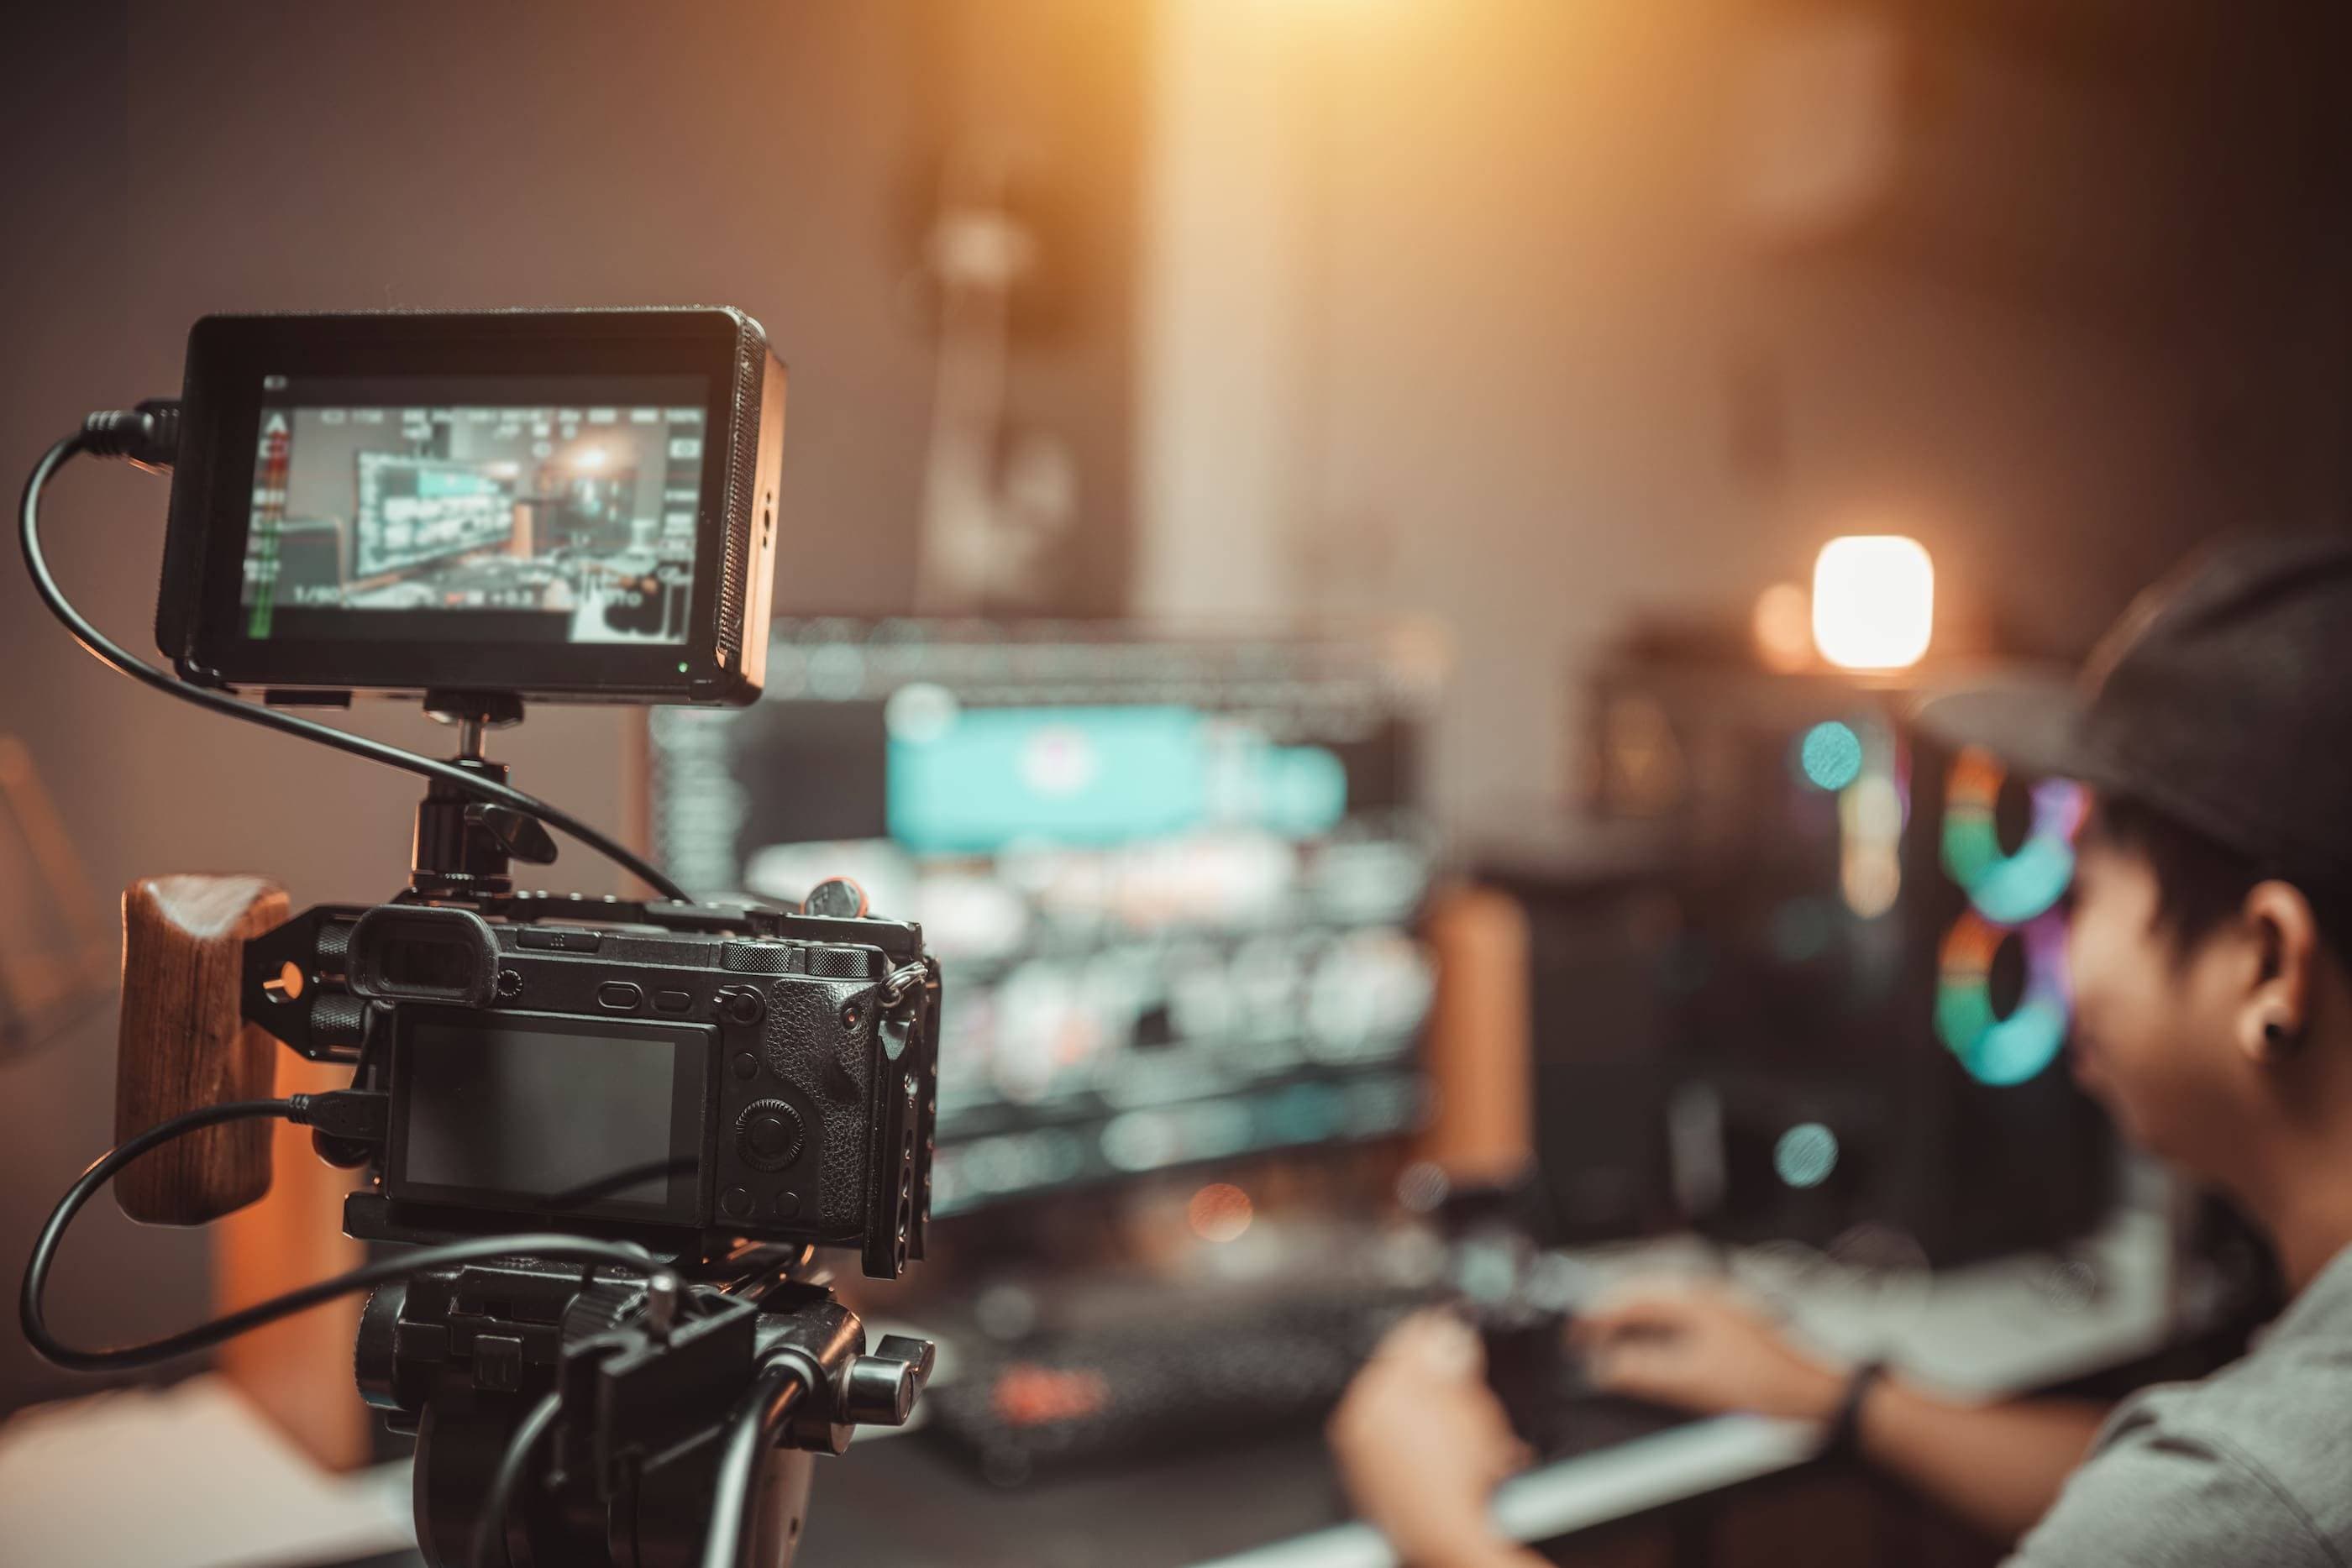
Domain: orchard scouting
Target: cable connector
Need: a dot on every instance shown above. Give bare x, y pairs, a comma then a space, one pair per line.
147, 435
363, 1116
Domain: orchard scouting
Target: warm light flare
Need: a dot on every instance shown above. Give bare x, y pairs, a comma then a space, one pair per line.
1219, 1212
1783, 629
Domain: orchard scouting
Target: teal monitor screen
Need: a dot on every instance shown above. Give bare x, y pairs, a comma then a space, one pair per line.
976, 781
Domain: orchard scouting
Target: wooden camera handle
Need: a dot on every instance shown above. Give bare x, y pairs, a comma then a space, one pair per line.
184, 1043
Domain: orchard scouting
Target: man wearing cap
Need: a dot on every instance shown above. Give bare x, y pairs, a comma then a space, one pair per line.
2210, 951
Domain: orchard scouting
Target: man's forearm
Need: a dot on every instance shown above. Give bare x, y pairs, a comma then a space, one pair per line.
1997, 1466
1482, 1551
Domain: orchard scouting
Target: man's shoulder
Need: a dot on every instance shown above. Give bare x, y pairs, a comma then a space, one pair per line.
2251, 1465
2284, 1412
2175, 1499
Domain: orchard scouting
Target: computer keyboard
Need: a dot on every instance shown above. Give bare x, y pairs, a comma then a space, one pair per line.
1155, 1388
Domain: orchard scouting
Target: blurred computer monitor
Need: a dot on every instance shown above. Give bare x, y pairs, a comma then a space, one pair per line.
1173, 881
1863, 1006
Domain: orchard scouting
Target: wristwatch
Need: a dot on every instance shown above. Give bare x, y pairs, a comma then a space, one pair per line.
1845, 1427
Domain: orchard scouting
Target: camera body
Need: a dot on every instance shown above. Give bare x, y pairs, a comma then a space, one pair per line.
682, 1074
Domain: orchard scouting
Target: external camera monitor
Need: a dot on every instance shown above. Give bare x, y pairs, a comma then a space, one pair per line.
576, 505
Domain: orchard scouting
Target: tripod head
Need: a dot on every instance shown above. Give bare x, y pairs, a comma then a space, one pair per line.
645, 1376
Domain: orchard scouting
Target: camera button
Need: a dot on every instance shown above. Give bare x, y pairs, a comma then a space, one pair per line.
736, 1201
672, 1001
619, 997
788, 1204
745, 1064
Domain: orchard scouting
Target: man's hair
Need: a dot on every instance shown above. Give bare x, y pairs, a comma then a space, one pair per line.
2201, 881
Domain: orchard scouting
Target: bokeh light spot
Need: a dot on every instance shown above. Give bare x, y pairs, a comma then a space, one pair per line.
1806, 1155
1219, 1212
1782, 623
1830, 754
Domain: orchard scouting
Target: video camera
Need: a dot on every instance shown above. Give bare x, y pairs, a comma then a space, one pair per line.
691, 1077
687, 1099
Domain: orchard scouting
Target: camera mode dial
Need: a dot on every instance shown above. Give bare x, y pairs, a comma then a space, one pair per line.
756, 957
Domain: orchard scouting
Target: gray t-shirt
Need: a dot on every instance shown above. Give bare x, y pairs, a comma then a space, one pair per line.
2252, 1466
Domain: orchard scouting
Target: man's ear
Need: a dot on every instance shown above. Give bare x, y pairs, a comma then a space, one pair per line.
2277, 1005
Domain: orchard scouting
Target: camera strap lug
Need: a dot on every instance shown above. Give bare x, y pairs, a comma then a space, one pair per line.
902, 983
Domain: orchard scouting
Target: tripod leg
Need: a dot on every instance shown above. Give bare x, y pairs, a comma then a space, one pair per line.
457, 1449
668, 1514
781, 1510
459, 1441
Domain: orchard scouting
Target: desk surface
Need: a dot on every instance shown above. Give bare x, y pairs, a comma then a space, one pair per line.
904, 1502
897, 1499
1996, 1329
1593, 1488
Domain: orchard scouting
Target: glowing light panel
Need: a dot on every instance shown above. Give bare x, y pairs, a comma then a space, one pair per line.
1873, 601
970, 781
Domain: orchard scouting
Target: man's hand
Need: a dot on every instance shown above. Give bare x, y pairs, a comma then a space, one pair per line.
1421, 1442
1699, 1349
1997, 1466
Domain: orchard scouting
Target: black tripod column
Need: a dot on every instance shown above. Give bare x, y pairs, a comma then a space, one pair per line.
456, 854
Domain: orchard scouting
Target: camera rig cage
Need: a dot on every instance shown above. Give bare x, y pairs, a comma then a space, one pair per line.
587, 1381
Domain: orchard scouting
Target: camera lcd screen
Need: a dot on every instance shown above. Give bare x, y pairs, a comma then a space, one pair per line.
564, 1116
510, 509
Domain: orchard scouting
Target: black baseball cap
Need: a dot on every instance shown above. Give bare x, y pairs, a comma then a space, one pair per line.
2222, 699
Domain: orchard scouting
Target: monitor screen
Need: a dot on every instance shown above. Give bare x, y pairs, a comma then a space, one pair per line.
1172, 883
575, 1115
545, 510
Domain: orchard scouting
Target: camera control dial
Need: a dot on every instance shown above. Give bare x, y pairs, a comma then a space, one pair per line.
768, 1135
